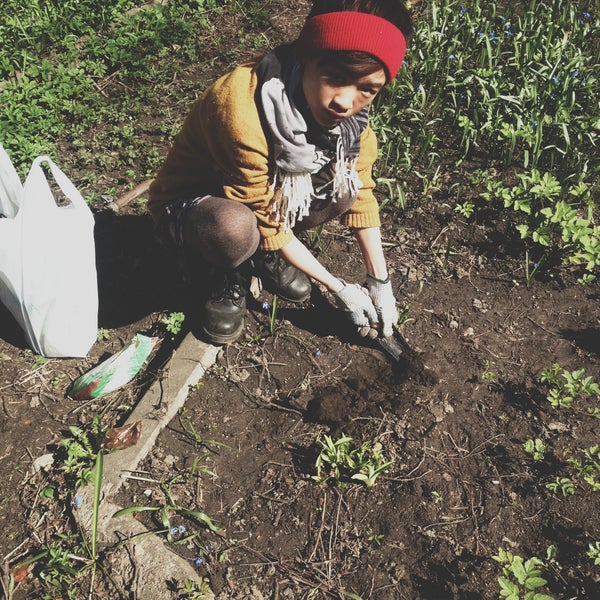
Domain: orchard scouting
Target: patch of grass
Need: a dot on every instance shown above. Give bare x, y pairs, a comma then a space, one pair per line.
517, 89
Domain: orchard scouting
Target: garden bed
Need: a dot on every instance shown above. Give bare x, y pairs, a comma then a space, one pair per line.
482, 462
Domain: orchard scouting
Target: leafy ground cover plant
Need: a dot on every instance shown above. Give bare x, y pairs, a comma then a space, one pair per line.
59, 82
342, 460
518, 85
567, 387
521, 579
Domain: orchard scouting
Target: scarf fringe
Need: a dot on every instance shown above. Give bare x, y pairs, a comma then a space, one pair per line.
346, 181
293, 192
293, 195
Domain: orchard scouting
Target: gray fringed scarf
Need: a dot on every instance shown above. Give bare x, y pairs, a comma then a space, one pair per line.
301, 147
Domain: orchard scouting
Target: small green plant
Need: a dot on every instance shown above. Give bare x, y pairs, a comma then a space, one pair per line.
37, 360
81, 451
521, 578
189, 429
564, 485
535, 447
465, 208
532, 268
63, 560
171, 508
173, 322
588, 468
395, 192
489, 375
273, 315
594, 552
342, 461
375, 538
568, 386
103, 335
195, 591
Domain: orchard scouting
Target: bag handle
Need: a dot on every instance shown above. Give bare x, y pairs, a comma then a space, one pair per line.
63, 182
11, 189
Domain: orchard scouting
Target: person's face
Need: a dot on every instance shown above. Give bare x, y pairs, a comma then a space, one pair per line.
333, 96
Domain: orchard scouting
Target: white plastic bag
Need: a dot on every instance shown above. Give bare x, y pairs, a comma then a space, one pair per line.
48, 275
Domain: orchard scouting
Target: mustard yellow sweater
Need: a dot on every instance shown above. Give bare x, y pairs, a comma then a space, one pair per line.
222, 150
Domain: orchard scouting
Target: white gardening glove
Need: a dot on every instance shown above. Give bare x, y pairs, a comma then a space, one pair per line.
380, 292
354, 300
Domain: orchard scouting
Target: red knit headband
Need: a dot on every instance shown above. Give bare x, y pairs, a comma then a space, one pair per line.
355, 31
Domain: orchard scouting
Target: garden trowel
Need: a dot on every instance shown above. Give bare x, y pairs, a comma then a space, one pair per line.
409, 362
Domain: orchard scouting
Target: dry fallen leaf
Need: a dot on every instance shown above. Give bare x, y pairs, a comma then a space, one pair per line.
19, 574
122, 437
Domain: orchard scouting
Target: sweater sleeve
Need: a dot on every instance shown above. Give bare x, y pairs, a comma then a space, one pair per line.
233, 133
365, 211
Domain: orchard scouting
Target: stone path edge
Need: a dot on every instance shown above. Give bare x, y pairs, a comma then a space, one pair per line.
156, 567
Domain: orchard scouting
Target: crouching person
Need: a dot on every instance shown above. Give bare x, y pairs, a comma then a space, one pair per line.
277, 146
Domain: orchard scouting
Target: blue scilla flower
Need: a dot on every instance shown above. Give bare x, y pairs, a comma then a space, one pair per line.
266, 305
555, 79
77, 501
198, 561
493, 38
574, 74
480, 35
461, 12
534, 124
181, 529
451, 57
586, 15
174, 530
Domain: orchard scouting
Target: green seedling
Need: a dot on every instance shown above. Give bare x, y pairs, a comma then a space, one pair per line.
489, 375
103, 335
594, 552
568, 386
273, 316
375, 538
564, 485
588, 468
521, 579
343, 461
173, 322
196, 591
465, 209
81, 452
172, 509
189, 429
535, 447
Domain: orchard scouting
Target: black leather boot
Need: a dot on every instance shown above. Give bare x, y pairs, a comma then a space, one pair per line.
281, 278
223, 309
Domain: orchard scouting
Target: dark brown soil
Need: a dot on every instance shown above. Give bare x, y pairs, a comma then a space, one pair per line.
461, 485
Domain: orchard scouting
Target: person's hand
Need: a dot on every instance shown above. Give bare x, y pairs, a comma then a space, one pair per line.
354, 300
380, 292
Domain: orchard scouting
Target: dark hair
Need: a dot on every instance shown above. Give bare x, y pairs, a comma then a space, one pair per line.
353, 63
394, 11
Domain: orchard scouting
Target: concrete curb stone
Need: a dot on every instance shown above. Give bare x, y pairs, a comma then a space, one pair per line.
156, 570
